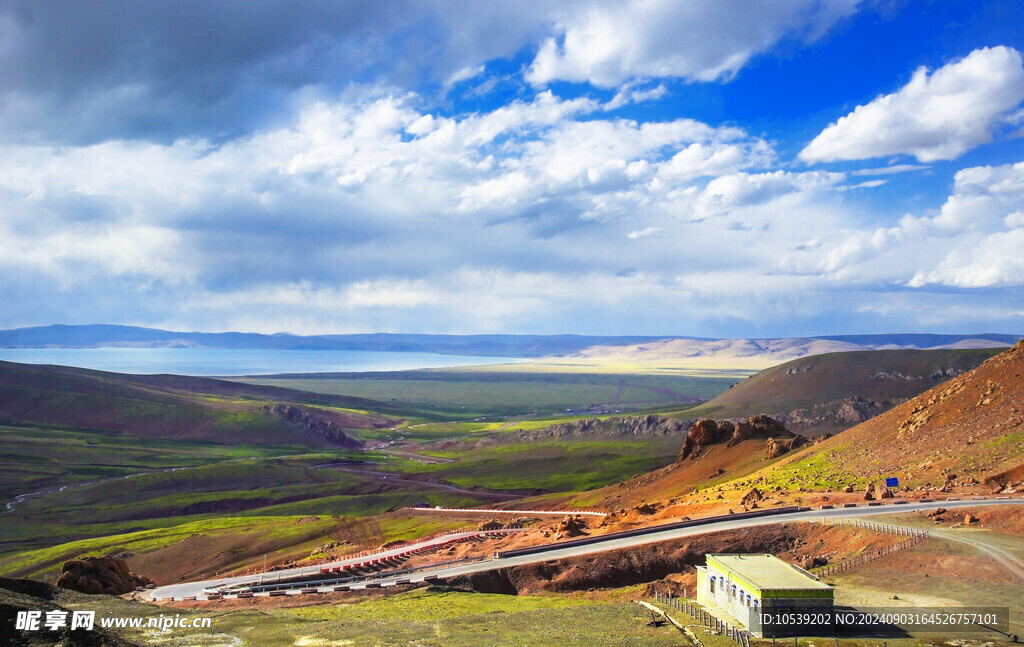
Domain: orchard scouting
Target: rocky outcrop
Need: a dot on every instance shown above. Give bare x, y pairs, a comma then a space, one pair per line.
323, 428
703, 432
104, 574
841, 413
708, 432
778, 446
616, 426
570, 526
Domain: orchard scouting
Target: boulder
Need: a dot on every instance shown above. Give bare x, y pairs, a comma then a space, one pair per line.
95, 575
778, 446
753, 496
645, 509
869, 492
969, 519
571, 526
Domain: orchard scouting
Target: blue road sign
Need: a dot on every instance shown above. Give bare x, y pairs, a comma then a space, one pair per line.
892, 481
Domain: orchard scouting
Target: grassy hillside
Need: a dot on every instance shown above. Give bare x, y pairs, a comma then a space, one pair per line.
835, 391
167, 406
88, 460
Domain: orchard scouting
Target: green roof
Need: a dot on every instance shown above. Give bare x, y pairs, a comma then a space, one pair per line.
767, 572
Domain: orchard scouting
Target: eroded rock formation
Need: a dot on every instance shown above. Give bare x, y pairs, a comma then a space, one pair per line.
650, 425
319, 426
708, 432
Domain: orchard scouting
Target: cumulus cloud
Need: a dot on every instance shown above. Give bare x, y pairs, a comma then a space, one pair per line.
365, 204
995, 261
972, 241
303, 182
701, 40
109, 69
937, 116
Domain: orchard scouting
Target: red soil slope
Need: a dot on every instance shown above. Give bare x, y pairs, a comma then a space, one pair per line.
969, 428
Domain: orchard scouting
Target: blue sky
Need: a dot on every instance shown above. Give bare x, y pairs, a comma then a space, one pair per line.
699, 168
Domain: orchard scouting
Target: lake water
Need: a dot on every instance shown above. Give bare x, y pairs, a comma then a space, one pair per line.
217, 361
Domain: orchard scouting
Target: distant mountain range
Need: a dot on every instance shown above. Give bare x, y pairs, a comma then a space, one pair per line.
524, 346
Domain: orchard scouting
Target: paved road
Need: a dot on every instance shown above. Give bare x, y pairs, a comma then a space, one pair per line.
557, 513
186, 589
195, 588
1008, 560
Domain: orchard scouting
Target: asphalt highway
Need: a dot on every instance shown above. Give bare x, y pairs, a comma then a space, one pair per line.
196, 588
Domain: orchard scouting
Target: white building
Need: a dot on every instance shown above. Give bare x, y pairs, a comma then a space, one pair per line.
744, 585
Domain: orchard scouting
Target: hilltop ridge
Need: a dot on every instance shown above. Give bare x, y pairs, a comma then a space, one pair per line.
834, 391
968, 429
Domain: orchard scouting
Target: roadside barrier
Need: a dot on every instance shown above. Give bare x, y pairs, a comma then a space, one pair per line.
496, 511
376, 569
913, 538
646, 531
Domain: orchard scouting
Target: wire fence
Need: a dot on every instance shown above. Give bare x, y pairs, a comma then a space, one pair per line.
737, 634
913, 538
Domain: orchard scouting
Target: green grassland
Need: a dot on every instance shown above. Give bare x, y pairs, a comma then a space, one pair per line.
419, 617
282, 485
466, 393
141, 464
34, 457
555, 465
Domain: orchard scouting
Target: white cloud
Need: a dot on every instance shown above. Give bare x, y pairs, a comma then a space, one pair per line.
643, 233
715, 159
728, 193
464, 74
702, 40
934, 117
891, 170
370, 213
996, 261
972, 241
630, 94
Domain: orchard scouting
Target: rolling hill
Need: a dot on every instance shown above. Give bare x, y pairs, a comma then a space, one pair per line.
966, 430
169, 406
835, 391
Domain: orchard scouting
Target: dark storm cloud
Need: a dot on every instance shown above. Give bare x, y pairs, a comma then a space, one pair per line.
80, 72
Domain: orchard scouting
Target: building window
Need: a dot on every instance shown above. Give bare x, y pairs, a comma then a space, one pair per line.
712, 584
